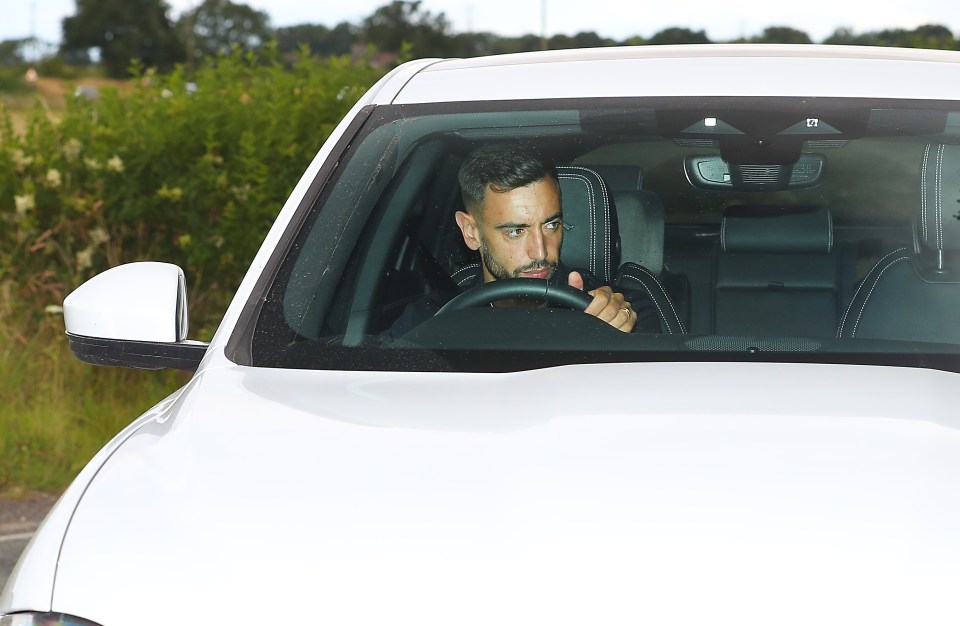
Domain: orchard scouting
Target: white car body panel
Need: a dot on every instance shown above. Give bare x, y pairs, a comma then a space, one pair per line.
835, 71
31, 583
775, 484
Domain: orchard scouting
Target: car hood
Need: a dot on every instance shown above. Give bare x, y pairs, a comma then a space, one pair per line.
641, 493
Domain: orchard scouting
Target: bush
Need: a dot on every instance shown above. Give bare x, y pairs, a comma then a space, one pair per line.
11, 80
190, 170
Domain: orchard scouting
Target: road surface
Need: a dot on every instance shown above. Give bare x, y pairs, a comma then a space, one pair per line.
19, 518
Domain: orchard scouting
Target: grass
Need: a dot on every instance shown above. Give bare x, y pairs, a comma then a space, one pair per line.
56, 412
19, 97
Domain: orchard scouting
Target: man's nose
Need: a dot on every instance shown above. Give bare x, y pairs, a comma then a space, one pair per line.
537, 246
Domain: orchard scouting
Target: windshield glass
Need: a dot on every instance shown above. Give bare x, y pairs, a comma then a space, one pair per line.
472, 237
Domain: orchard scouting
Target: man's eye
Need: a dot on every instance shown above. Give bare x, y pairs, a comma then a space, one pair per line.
553, 225
513, 233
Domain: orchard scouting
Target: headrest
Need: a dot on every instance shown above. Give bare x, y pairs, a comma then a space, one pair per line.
641, 218
621, 177
774, 229
938, 225
591, 240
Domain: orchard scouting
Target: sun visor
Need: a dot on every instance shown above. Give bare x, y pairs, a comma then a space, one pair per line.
887, 122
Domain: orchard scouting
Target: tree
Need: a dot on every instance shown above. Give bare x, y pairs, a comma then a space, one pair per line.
401, 22
933, 36
123, 30
678, 35
473, 44
12, 51
583, 39
321, 40
845, 36
523, 43
781, 34
215, 26
926, 36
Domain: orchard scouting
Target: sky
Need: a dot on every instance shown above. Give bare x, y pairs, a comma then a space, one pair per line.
617, 19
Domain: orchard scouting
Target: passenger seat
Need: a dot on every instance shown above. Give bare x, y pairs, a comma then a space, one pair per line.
913, 293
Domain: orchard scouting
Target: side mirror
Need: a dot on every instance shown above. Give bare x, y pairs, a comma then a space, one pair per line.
133, 315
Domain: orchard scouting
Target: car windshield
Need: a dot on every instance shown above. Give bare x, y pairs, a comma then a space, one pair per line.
770, 229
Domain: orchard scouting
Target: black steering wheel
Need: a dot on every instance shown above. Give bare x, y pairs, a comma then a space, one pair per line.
519, 288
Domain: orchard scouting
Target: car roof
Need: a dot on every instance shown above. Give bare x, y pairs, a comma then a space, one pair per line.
715, 70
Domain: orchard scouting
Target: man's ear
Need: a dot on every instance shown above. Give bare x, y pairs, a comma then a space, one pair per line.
470, 229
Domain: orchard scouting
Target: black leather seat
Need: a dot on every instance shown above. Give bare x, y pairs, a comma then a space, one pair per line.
591, 233
777, 272
591, 241
913, 293
641, 216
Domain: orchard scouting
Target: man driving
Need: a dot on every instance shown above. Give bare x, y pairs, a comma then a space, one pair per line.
513, 218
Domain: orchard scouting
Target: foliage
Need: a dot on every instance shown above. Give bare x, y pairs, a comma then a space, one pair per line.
321, 40
583, 39
678, 36
57, 412
781, 34
13, 51
187, 171
123, 30
393, 25
845, 36
216, 26
11, 80
928, 36
931, 36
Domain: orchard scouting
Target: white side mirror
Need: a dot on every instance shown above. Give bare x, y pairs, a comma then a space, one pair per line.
132, 315
143, 301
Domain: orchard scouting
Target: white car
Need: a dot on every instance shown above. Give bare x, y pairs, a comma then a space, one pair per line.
777, 441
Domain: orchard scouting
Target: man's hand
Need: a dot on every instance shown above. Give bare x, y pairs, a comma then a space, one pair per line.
608, 305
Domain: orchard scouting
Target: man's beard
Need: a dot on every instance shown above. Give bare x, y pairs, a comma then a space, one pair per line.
500, 272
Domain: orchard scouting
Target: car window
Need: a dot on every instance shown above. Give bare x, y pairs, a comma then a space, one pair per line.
768, 229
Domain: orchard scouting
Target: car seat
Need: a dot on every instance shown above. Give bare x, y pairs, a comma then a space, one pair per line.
641, 216
913, 293
777, 272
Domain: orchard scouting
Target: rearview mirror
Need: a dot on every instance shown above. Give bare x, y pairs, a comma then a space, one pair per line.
710, 171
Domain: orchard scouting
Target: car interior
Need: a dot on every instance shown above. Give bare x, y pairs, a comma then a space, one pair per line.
782, 229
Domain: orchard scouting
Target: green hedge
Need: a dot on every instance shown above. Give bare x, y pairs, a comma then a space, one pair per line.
186, 170
156, 170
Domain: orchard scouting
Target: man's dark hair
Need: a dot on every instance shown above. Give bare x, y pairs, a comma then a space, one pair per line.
504, 167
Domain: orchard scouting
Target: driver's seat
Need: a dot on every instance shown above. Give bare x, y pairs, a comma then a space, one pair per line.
591, 241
